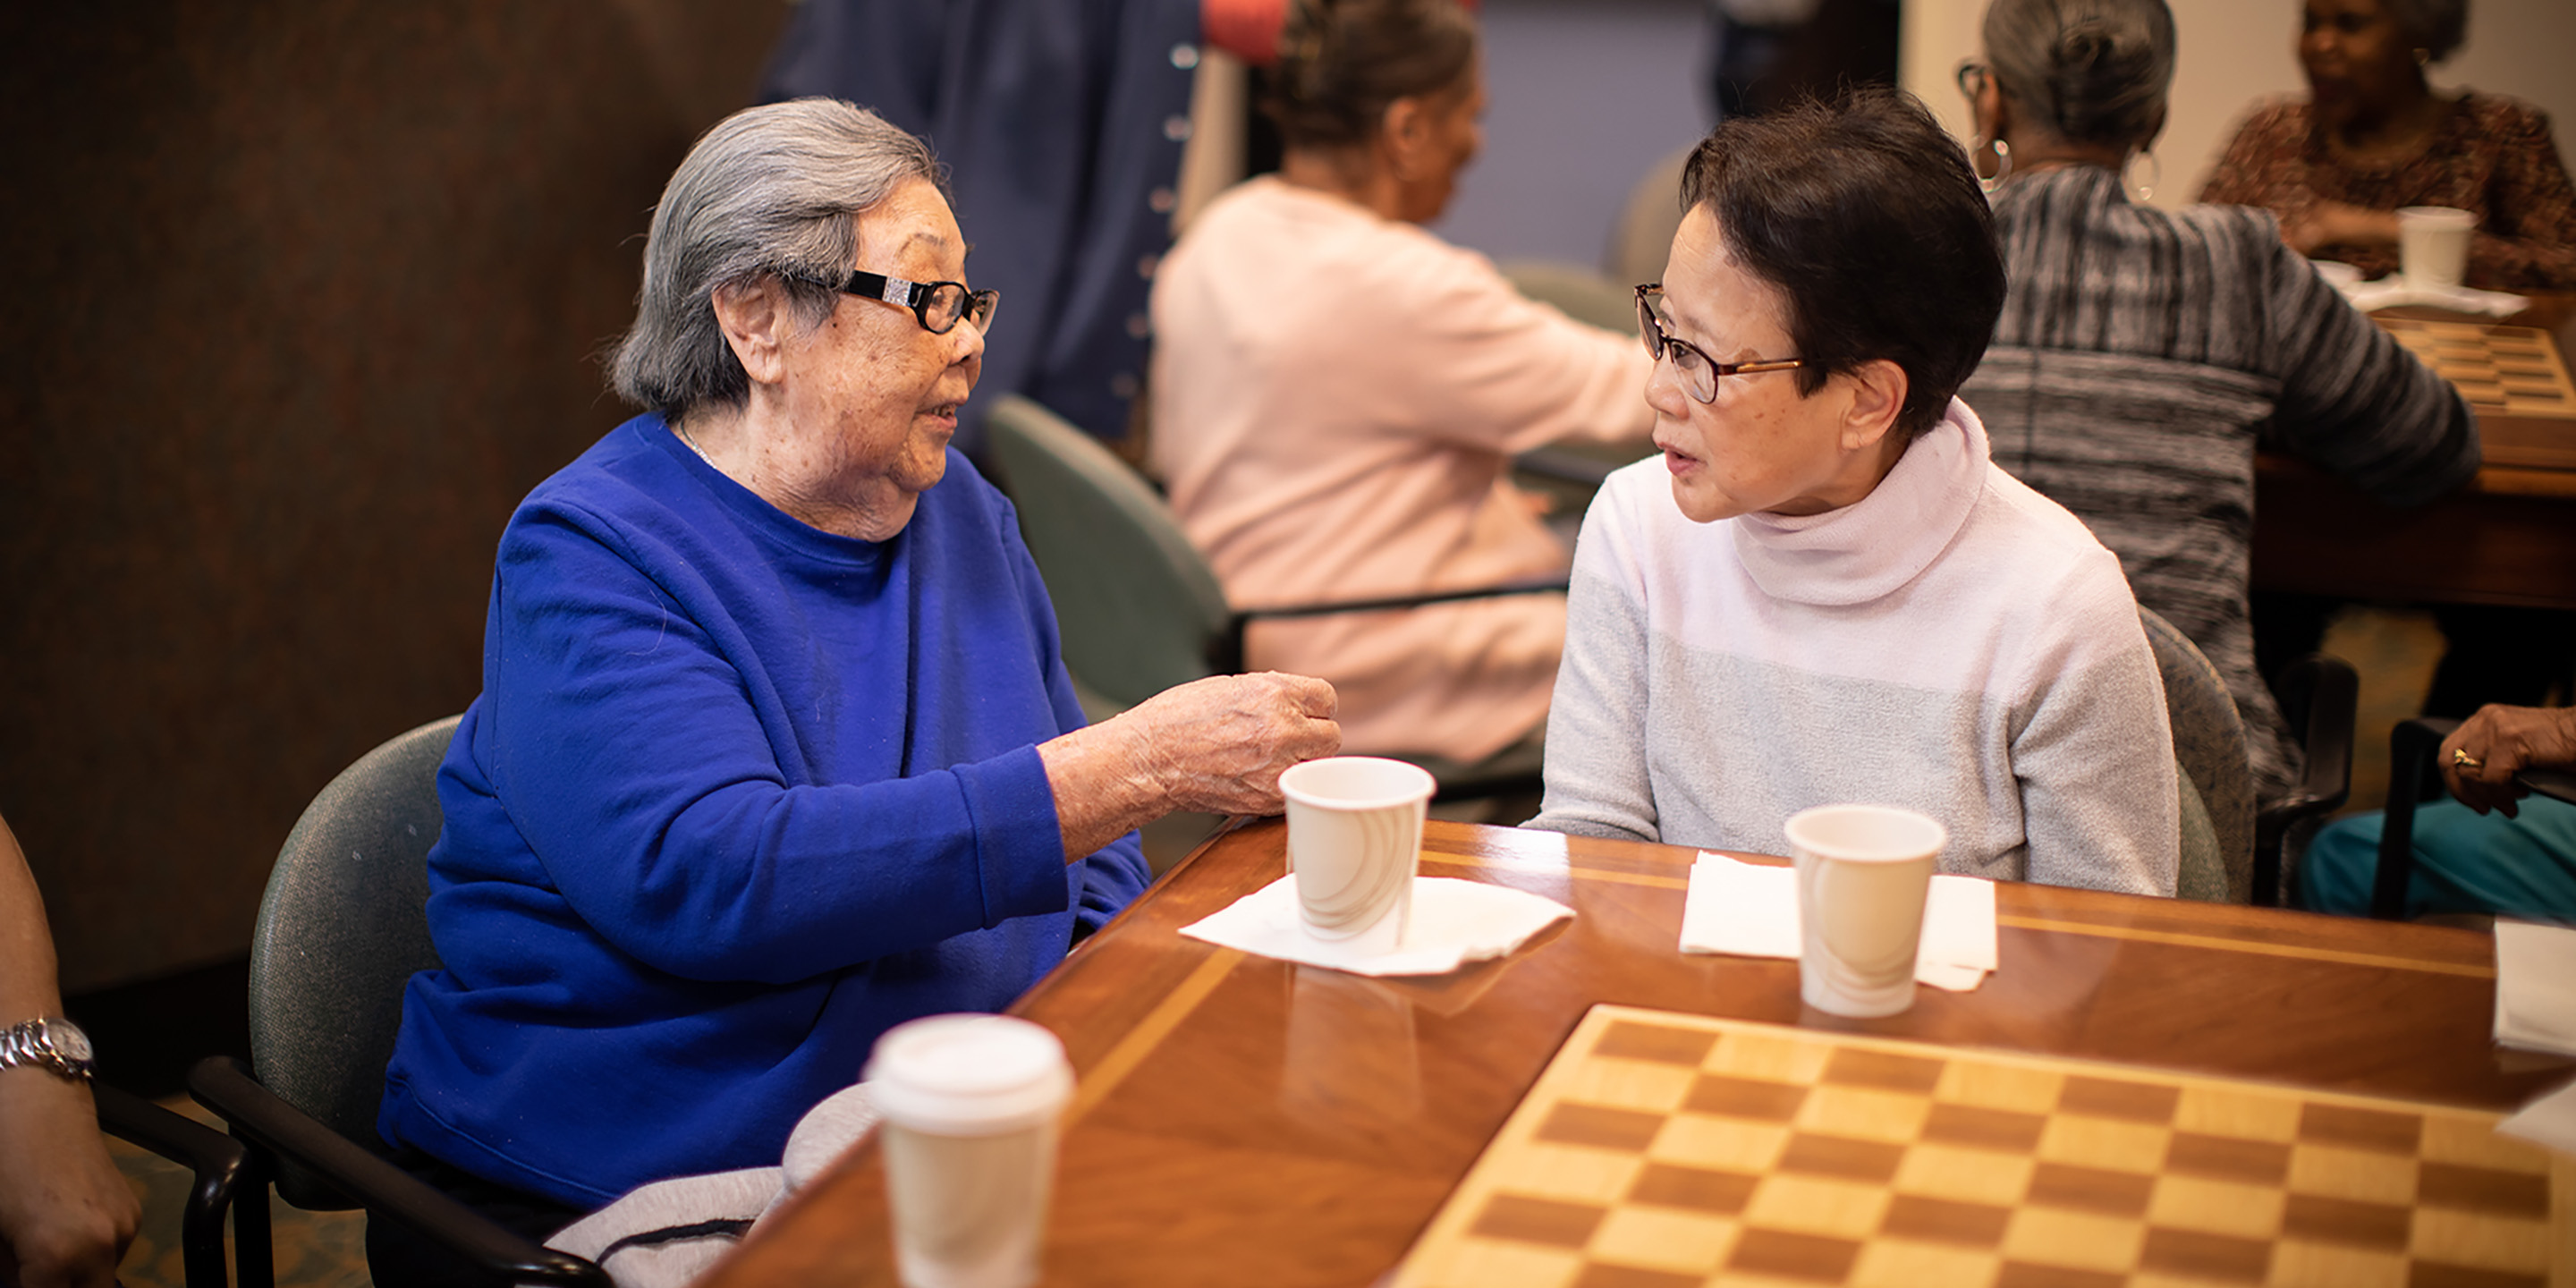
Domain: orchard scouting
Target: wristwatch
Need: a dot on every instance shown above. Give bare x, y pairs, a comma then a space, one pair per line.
58, 1045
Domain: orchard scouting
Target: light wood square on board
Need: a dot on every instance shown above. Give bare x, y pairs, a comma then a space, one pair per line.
1817, 1205
1577, 1175
2477, 1239
1670, 1239
1768, 1056
1725, 1144
2462, 1138
1628, 1084
2215, 1109
1902, 1263
1999, 1086
2216, 1207
2353, 1174
1496, 1263
2105, 1143
1966, 1175
1865, 1113
2075, 1240
2329, 1265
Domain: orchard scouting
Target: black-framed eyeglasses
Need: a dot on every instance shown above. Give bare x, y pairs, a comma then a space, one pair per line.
1698, 371
937, 304
1972, 77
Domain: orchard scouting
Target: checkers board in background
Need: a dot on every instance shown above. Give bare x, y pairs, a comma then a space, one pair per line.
1661, 1150
2515, 370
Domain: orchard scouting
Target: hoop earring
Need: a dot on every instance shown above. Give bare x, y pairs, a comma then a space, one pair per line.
2155, 175
2003, 163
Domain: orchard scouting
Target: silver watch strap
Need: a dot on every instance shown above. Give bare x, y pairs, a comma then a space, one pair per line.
35, 1042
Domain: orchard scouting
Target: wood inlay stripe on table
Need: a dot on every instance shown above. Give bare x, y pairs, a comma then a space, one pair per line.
2467, 969
1149, 1032
1580, 871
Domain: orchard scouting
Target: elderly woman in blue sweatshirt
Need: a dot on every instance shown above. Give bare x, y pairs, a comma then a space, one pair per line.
775, 748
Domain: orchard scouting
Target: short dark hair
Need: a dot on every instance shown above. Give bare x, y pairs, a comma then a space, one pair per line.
2435, 26
1342, 63
1863, 214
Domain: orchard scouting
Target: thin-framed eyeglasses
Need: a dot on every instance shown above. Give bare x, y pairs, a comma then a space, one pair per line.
1698, 371
1972, 77
937, 304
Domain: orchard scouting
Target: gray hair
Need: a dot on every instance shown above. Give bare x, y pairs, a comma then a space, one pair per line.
2435, 26
2089, 71
770, 192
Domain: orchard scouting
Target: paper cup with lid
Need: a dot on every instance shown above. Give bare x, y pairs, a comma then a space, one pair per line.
970, 1105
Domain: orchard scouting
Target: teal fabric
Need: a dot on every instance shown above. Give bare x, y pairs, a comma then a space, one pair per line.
2464, 862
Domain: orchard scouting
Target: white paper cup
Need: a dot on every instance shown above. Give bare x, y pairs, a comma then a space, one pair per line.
1354, 840
970, 1105
1863, 874
2433, 245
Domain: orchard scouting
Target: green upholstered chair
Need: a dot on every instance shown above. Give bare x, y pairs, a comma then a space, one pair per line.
341, 930
1136, 604
2217, 809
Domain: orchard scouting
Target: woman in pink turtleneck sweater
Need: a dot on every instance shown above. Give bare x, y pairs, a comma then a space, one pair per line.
1825, 591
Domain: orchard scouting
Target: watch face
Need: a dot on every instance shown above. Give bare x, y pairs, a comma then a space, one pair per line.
69, 1040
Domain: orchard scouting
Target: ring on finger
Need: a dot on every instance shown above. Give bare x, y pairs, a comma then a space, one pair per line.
2460, 756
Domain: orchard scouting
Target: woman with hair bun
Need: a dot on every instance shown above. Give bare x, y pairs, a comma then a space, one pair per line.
1338, 393
2372, 137
2140, 350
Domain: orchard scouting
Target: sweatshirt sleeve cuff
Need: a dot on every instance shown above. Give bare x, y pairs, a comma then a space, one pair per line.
1017, 838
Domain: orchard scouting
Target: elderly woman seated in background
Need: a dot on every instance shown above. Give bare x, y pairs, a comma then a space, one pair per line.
1824, 590
2140, 350
1337, 393
2373, 137
774, 749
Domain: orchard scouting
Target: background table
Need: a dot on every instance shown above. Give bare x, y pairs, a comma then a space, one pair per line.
1246, 1121
2508, 537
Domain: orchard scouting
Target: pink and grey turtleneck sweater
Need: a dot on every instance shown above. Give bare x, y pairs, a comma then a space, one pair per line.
1954, 643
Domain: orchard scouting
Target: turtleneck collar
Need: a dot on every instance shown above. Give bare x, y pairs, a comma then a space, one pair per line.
1871, 547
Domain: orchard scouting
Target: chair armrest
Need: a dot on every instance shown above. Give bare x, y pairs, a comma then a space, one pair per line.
1536, 586
2556, 783
2411, 746
218, 1162
257, 1115
2320, 695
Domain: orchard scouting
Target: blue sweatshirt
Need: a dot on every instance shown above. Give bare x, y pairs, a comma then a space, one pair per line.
738, 796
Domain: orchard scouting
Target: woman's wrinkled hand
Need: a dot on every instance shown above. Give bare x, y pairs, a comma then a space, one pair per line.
1218, 745
2481, 757
66, 1213
2333, 223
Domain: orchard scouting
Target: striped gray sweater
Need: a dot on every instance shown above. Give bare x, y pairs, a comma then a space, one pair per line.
2142, 355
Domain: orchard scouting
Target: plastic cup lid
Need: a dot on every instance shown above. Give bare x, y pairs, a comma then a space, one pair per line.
968, 1075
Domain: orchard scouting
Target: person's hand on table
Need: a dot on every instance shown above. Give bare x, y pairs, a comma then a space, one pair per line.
2332, 223
1216, 746
66, 1213
2481, 757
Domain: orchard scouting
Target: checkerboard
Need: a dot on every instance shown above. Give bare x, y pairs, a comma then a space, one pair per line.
2509, 369
1668, 1151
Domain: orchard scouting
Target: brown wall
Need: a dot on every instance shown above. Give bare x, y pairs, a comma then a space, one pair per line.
304, 297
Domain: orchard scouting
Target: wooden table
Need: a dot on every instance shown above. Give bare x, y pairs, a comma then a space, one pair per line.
2508, 537
1246, 1121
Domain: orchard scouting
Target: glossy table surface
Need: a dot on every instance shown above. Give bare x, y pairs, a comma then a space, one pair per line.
2507, 537
1247, 1121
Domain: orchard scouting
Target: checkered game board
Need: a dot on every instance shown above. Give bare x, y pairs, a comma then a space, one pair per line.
1663, 1151
2510, 369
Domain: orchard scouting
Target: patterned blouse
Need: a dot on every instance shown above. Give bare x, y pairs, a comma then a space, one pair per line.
2492, 156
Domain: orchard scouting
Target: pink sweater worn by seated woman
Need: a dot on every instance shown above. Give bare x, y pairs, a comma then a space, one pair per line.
1337, 398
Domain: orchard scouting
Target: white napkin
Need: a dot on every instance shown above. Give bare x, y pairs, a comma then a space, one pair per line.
2535, 987
1751, 910
2550, 1121
1454, 922
2391, 291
